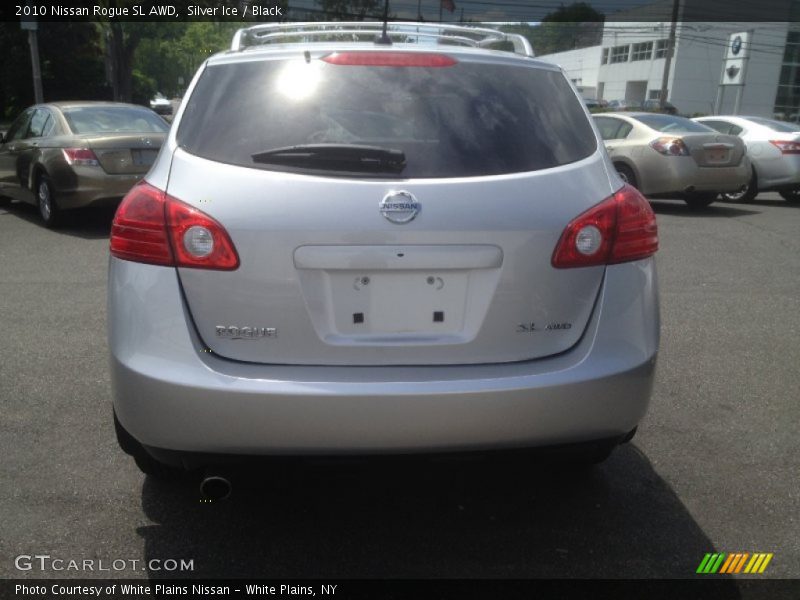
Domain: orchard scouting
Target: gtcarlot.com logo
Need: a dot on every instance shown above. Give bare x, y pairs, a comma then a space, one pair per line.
45, 562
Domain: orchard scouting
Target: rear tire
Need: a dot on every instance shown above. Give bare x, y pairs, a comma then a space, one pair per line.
700, 200
146, 463
626, 174
791, 195
46, 202
746, 195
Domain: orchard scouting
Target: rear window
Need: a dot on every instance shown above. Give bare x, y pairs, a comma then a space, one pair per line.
671, 124
114, 119
462, 120
782, 126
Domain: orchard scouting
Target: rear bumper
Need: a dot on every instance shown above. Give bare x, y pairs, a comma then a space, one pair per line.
682, 175
91, 186
170, 394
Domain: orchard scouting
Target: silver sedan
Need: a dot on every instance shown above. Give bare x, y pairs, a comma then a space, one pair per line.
773, 148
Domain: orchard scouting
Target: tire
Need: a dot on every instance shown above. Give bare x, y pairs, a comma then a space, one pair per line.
146, 463
747, 195
791, 195
700, 200
626, 174
49, 211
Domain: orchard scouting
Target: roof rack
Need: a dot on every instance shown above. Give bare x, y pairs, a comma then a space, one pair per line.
313, 31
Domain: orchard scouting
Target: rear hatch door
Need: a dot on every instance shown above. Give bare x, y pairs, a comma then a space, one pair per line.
356, 261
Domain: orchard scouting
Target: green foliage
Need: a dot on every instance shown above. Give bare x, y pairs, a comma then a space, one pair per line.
175, 57
575, 26
351, 10
16, 83
71, 63
143, 88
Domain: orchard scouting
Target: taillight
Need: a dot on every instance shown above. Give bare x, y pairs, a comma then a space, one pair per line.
786, 147
198, 240
82, 157
390, 59
621, 228
153, 227
670, 146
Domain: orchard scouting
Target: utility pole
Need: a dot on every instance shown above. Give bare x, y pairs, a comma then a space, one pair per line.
33, 40
662, 96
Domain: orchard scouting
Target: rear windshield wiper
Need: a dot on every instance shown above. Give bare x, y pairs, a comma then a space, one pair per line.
336, 157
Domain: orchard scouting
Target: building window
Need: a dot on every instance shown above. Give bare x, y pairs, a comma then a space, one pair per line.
655, 94
642, 51
619, 54
787, 97
661, 49
604, 58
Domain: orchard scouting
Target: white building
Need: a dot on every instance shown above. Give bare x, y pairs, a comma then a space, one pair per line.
582, 67
629, 65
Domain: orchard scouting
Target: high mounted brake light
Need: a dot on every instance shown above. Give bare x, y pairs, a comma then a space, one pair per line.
390, 59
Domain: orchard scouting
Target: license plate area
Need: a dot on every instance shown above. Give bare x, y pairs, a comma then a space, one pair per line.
398, 295
144, 158
413, 303
717, 155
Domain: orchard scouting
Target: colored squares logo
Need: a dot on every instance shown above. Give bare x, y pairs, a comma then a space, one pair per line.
734, 562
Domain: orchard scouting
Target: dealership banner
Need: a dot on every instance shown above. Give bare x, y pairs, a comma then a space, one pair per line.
717, 588
469, 11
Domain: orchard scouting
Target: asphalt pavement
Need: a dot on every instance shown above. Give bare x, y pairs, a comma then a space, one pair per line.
713, 468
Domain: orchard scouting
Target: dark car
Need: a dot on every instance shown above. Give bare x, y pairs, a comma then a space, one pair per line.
65, 155
655, 106
624, 105
595, 103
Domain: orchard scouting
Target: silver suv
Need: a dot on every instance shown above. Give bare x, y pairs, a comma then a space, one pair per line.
401, 245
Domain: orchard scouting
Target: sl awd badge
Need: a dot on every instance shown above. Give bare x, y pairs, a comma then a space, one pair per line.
399, 207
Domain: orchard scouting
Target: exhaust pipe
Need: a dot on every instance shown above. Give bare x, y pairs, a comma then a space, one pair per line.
215, 486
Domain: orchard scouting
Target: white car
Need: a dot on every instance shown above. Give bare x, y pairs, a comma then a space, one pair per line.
774, 151
161, 105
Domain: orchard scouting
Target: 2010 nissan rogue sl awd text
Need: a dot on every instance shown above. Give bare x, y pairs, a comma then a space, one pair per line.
372, 247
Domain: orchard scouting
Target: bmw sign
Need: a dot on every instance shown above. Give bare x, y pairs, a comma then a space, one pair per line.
736, 45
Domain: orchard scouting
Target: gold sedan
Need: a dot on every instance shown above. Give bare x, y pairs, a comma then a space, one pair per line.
65, 155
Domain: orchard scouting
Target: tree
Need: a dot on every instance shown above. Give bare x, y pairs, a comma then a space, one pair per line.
173, 58
71, 62
575, 26
351, 10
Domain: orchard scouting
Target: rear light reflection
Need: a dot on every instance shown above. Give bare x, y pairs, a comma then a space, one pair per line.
155, 228
670, 146
621, 228
786, 147
81, 157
